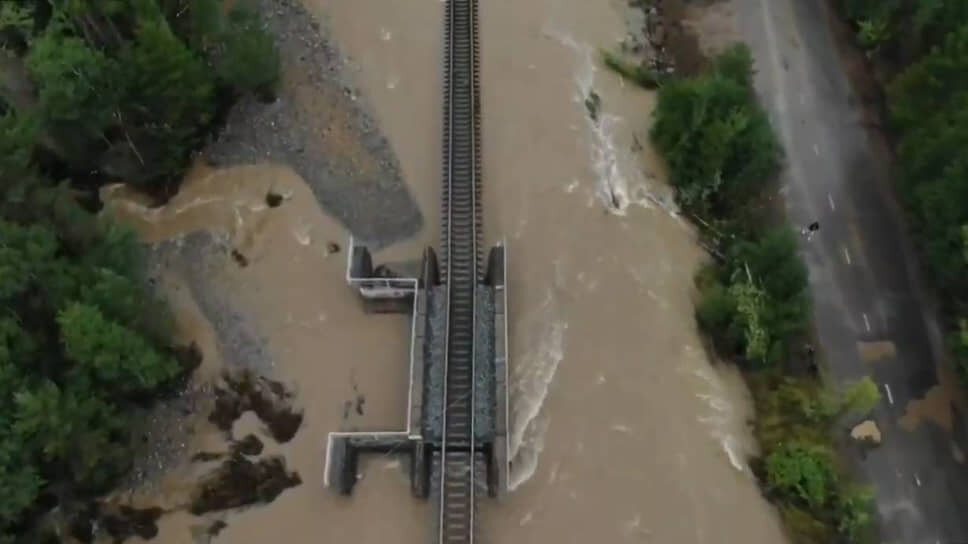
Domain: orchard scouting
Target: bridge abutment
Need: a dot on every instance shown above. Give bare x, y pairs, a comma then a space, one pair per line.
425, 300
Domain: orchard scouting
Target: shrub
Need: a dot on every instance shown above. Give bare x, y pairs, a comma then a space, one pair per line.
736, 64
861, 397
855, 513
753, 302
169, 96
717, 140
757, 304
246, 58
637, 73
802, 472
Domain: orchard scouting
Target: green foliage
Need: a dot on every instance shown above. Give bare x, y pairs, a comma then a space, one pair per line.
736, 64
717, 140
856, 514
862, 397
721, 151
128, 89
795, 416
756, 303
20, 484
806, 528
24, 252
18, 133
73, 431
123, 88
169, 93
636, 73
873, 33
246, 57
802, 472
902, 30
750, 306
75, 351
16, 25
753, 301
808, 405
207, 22
959, 347
928, 103
110, 353
76, 84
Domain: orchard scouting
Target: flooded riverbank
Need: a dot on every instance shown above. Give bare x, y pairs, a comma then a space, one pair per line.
624, 426
622, 429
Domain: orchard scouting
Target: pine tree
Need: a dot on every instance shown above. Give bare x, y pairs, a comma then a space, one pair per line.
246, 57
169, 96
77, 85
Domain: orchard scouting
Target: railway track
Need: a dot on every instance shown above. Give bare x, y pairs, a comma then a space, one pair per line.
457, 462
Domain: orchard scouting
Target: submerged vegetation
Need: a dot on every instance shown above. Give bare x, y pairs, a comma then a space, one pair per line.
722, 155
94, 91
920, 49
640, 74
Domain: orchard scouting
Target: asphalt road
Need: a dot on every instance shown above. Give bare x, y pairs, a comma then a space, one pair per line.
863, 273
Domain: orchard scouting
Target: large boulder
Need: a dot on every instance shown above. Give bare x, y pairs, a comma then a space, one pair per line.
867, 432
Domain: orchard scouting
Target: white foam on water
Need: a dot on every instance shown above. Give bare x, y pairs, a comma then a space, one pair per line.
530, 381
619, 179
612, 186
525, 456
721, 417
302, 234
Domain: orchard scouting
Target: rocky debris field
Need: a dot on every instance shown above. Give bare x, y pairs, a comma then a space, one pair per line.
320, 126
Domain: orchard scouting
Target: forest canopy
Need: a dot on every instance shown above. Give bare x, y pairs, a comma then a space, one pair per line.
924, 46
93, 91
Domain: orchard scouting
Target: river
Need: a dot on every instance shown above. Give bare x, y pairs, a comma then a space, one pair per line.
622, 428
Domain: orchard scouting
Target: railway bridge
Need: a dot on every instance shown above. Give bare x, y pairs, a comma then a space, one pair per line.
456, 431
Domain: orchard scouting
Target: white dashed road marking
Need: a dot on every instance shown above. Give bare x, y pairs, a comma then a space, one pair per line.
847, 256
890, 397
830, 200
867, 323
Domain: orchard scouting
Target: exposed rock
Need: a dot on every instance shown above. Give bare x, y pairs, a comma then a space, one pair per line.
126, 522
119, 521
867, 432
239, 258
217, 527
273, 200
241, 482
374, 203
647, 36
268, 399
206, 456
250, 445
593, 103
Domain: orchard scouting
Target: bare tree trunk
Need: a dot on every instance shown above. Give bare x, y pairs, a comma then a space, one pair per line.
128, 138
15, 85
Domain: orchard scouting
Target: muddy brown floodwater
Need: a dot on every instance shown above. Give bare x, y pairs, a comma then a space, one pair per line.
622, 428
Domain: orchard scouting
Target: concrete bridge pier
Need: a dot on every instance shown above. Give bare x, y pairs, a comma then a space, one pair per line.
499, 455
381, 290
